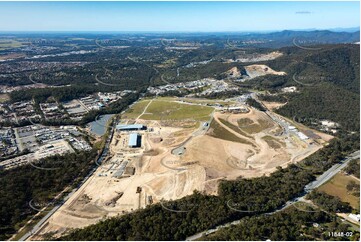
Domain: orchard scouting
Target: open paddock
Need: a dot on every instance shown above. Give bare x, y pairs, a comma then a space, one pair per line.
168, 109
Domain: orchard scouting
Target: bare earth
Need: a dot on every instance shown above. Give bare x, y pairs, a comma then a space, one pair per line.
261, 70
175, 160
273, 105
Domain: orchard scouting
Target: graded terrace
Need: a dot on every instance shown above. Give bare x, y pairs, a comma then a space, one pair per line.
185, 144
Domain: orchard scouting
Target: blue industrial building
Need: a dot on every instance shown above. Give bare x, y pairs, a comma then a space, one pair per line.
134, 140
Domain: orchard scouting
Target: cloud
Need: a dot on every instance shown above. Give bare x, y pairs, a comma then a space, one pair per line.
303, 12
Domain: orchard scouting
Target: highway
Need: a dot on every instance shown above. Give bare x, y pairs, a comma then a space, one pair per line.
322, 179
327, 175
332, 171
57, 206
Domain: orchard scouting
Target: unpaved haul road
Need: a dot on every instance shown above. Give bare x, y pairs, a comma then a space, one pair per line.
145, 109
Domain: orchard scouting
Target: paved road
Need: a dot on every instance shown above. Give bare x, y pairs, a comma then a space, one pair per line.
163, 80
327, 175
322, 179
104, 83
51, 212
301, 83
18, 140
332, 171
46, 217
200, 131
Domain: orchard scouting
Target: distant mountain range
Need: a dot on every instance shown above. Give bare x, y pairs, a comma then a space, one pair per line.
274, 39
298, 38
354, 29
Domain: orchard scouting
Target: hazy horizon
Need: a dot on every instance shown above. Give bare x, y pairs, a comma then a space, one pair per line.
346, 30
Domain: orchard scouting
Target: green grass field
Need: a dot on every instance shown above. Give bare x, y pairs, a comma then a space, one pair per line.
205, 101
272, 142
219, 132
136, 109
8, 44
234, 128
167, 109
250, 127
337, 187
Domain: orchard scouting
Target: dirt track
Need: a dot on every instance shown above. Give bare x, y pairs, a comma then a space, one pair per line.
163, 175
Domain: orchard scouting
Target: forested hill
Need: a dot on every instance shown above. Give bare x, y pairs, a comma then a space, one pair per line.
336, 64
327, 78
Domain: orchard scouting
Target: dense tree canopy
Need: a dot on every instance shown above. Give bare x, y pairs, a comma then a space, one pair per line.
30, 183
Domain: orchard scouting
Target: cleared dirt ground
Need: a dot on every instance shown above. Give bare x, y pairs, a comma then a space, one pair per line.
176, 158
258, 57
261, 70
273, 105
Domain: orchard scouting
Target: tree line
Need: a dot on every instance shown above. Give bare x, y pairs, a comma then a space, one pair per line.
202, 212
39, 183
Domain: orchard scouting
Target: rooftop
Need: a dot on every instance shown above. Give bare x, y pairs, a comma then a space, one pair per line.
130, 126
133, 139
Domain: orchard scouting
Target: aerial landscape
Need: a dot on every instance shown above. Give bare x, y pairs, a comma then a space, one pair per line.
143, 121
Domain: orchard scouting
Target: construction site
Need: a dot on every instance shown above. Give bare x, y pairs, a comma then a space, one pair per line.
153, 157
